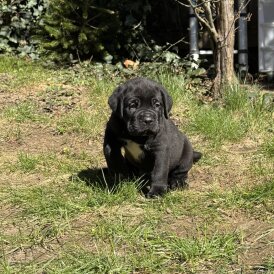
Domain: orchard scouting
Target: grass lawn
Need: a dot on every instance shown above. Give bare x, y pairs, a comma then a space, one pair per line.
58, 214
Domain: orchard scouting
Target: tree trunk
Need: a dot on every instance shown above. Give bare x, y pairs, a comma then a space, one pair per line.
223, 47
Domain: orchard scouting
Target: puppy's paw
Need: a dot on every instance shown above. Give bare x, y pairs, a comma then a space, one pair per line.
156, 190
177, 184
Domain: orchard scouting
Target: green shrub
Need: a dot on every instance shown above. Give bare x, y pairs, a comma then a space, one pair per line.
17, 22
99, 30
79, 29
70, 31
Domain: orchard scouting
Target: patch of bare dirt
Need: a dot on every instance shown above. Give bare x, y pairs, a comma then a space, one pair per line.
40, 139
62, 99
8, 98
257, 238
182, 226
35, 250
232, 169
16, 179
5, 79
51, 99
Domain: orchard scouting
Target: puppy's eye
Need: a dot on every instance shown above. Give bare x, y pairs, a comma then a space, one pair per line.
156, 103
133, 104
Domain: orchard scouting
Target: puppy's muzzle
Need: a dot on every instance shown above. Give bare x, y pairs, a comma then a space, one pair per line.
146, 119
144, 122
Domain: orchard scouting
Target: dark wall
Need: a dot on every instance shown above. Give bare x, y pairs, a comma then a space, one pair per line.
168, 22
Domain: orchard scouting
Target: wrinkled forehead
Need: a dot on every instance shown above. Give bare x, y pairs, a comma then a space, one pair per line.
142, 91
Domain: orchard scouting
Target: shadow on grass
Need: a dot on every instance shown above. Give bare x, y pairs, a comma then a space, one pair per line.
100, 177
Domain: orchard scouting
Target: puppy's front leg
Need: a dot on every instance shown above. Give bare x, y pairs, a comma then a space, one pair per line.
112, 151
159, 174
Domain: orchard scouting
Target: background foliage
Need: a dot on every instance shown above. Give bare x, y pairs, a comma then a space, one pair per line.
93, 29
74, 30
17, 21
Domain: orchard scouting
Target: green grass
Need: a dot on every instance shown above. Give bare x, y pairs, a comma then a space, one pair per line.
68, 198
81, 121
19, 73
48, 202
242, 113
268, 265
268, 148
48, 162
26, 162
216, 247
217, 125
23, 112
59, 213
255, 199
124, 247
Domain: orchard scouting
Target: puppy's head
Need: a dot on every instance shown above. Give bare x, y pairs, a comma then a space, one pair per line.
142, 104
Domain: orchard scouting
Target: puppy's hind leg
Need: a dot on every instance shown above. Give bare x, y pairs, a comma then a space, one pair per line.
177, 178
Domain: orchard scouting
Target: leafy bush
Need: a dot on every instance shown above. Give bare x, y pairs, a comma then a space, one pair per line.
17, 21
83, 30
71, 30
100, 30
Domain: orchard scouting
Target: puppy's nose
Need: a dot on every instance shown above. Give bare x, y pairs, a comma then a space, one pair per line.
147, 120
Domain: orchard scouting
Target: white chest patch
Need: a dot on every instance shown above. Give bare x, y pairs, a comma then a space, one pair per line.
133, 150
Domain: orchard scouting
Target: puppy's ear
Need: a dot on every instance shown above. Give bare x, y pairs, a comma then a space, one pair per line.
115, 101
167, 100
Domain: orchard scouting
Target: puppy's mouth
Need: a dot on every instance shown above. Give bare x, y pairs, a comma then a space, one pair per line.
136, 131
144, 123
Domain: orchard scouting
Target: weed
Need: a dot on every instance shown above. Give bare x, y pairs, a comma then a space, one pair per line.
26, 162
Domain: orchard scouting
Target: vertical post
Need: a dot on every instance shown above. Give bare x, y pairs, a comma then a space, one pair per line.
242, 38
193, 37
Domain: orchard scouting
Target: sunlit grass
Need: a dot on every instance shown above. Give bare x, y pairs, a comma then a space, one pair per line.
62, 213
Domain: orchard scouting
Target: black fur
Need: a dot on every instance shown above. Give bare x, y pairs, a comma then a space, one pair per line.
140, 110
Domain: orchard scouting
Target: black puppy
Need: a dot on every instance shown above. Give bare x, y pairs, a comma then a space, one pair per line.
153, 146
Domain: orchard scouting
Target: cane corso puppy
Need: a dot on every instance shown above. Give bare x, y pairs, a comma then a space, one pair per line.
141, 140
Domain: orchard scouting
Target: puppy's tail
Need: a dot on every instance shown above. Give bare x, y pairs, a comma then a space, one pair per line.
197, 156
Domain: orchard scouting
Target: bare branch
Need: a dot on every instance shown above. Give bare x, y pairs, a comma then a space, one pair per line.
197, 5
208, 13
208, 21
182, 4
